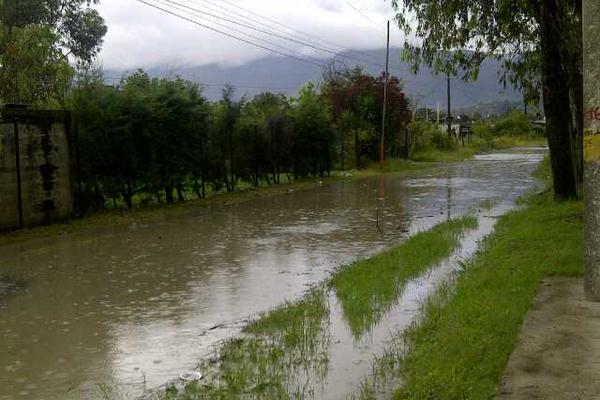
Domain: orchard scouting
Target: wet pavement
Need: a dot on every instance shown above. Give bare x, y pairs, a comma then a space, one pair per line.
123, 311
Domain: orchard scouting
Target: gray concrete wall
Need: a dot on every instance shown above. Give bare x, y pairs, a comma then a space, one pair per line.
44, 170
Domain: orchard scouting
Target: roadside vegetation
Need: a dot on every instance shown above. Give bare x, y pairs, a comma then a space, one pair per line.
430, 145
146, 141
461, 344
284, 354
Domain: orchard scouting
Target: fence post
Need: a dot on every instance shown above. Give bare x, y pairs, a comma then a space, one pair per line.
18, 172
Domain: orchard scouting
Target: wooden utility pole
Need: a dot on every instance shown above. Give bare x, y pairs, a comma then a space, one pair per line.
448, 115
591, 147
385, 85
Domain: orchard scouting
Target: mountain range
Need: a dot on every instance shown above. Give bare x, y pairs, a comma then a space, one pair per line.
279, 74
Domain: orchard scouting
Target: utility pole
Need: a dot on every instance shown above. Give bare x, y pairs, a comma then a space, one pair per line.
591, 148
385, 85
448, 116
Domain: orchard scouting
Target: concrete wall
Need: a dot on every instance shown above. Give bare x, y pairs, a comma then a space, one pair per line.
44, 167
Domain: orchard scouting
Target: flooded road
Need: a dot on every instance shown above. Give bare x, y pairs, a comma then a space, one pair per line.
118, 312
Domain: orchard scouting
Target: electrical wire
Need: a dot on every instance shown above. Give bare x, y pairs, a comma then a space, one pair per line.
362, 14
270, 33
230, 35
225, 26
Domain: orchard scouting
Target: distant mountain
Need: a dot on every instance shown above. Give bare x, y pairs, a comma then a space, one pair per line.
285, 75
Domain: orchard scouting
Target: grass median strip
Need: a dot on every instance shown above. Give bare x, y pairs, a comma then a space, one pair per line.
460, 346
367, 289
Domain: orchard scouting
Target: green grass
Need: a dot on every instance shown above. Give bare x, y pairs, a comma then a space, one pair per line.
475, 146
460, 346
436, 155
367, 289
270, 358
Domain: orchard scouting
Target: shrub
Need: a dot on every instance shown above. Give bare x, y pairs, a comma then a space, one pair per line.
514, 124
426, 136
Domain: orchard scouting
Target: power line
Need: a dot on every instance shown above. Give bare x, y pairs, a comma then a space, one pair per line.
230, 35
282, 25
274, 34
271, 24
183, 10
362, 14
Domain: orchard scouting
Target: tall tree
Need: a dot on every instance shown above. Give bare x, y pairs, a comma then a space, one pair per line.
227, 115
356, 100
538, 43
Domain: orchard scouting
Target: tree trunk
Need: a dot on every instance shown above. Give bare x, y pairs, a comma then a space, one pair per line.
127, 196
169, 194
197, 189
180, 195
556, 102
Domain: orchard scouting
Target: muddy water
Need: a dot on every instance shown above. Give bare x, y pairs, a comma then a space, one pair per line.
118, 312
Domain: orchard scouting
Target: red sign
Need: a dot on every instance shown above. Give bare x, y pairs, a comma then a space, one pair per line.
594, 113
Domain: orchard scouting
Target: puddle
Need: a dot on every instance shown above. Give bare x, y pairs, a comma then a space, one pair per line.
8, 286
124, 311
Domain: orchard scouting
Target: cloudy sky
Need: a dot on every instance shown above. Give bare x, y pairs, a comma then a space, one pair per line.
142, 36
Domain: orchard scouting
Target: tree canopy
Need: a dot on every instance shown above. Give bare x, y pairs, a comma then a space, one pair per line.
39, 42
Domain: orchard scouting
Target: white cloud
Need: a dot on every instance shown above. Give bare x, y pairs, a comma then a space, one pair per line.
140, 36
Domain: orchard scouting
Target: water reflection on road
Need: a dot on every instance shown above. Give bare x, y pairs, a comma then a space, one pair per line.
125, 310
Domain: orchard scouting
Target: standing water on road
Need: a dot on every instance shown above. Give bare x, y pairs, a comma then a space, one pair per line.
119, 312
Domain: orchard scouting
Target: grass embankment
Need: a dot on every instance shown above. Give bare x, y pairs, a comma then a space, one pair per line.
460, 347
283, 349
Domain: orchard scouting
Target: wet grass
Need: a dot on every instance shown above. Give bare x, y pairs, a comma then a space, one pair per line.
476, 146
461, 344
444, 156
284, 353
273, 359
367, 289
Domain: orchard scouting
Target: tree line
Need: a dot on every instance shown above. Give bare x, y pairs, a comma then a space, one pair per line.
162, 140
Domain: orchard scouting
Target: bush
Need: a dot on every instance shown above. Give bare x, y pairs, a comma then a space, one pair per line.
427, 136
514, 124
442, 141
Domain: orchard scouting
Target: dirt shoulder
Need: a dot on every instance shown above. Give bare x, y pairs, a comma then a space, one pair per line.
558, 353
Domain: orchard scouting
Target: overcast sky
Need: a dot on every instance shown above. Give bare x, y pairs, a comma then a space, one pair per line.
141, 36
